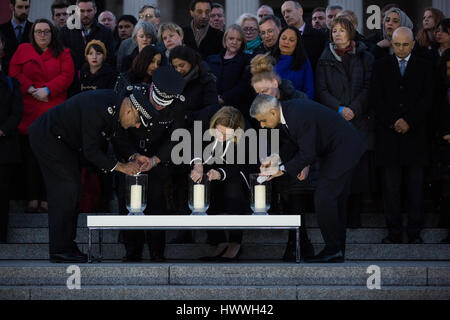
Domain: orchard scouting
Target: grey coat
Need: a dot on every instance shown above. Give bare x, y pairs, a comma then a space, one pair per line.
336, 88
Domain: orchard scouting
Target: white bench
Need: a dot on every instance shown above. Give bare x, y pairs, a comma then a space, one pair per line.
185, 222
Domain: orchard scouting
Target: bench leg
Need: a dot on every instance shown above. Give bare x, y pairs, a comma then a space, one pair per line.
100, 240
90, 246
297, 246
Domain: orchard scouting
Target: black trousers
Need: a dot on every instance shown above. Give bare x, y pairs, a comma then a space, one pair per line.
228, 197
296, 204
6, 174
34, 182
330, 201
61, 170
156, 205
392, 200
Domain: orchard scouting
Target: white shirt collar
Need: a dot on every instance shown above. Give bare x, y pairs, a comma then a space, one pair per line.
406, 59
282, 119
302, 29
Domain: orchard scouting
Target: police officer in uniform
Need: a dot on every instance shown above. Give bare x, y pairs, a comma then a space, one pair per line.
75, 128
153, 140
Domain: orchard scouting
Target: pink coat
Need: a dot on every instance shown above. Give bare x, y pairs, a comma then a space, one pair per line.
33, 69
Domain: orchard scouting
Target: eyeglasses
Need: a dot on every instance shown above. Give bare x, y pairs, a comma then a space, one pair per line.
250, 30
268, 32
147, 16
42, 33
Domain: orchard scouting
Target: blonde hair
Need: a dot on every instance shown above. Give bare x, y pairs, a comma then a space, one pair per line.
228, 117
351, 15
171, 27
261, 68
241, 33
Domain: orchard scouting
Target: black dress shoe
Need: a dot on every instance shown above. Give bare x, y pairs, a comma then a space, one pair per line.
415, 240
325, 257
128, 258
446, 240
306, 251
391, 239
157, 257
68, 258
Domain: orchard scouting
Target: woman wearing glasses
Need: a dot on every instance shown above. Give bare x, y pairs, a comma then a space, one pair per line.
250, 26
45, 71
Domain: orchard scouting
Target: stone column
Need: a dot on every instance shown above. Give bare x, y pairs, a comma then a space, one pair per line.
40, 9
356, 6
133, 6
443, 5
234, 8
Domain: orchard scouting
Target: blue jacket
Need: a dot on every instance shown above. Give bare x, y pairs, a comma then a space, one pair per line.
302, 79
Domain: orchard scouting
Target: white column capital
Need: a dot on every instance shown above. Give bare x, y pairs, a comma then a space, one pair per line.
234, 8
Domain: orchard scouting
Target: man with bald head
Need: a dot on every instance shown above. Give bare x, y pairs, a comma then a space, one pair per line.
108, 19
401, 98
313, 39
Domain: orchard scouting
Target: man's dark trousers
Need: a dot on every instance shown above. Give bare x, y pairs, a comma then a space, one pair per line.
330, 200
392, 181
61, 171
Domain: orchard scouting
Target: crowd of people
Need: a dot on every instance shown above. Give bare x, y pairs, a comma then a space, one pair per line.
392, 88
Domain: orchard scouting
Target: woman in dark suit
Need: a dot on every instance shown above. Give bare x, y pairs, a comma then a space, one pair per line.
231, 68
343, 77
11, 110
229, 186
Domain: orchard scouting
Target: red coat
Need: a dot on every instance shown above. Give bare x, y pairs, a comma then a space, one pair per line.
32, 69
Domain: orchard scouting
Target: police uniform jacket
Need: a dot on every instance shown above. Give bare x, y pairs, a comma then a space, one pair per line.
83, 123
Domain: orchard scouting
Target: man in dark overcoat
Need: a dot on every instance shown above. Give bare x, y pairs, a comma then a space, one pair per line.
321, 136
401, 96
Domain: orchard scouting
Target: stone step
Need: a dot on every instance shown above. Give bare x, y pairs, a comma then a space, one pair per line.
249, 252
242, 293
401, 273
368, 220
38, 280
354, 236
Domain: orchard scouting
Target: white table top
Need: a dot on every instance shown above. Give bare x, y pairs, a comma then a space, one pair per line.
194, 221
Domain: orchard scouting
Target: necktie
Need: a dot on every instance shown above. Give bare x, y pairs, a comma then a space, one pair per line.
19, 33
402, 67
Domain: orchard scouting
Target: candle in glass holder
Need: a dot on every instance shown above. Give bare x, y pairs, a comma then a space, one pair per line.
199, 196
136, 197
260, 198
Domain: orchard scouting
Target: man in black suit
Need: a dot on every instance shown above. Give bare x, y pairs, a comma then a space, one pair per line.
313, 39
322, 136
401, 97
199, 35
16, 31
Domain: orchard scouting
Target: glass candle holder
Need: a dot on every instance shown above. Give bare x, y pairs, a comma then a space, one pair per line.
260, 194
136, 190
199, 196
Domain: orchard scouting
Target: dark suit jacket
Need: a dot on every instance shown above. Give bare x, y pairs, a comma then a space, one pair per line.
11, 110
321, 135
211, 44
394, 97
314, 41
11, 41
